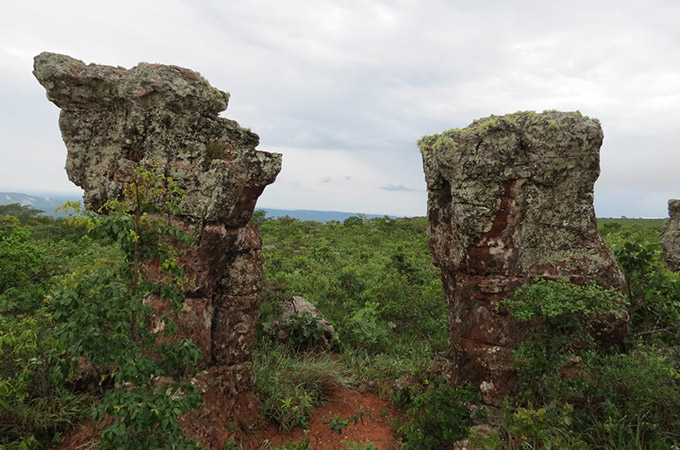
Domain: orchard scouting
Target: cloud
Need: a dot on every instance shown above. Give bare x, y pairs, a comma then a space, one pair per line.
400, 188
298, 184
360, 82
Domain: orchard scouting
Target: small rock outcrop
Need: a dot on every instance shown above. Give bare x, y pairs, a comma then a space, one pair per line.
290, 308
510, 199
670, 238
113, 120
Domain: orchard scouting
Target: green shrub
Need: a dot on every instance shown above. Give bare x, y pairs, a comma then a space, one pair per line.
633, 396
24, 269
547, 427
102, 316
375, 282
353, 221
339, 424
653, 290
367, 330
33, 408
616, 397
440, 418
304, 330
560, 316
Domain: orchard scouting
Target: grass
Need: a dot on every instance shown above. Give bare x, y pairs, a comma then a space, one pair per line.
292, 384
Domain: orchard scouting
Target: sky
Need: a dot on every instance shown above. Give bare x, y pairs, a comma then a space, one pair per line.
345, 88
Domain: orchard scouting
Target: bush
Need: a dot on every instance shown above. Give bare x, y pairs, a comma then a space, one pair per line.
102, 315
653, 290
617, 398
560, 316
547, 427
33, 408
304, 330
24, 269
367, 331
375, 282
440, 418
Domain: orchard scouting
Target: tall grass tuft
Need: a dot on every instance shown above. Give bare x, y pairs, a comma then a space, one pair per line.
291, 385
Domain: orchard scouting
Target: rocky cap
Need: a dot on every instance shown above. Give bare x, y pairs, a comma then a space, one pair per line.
519, 185
114, 119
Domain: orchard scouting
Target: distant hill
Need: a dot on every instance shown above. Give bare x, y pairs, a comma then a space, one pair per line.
46, 203
317, 216
49, 202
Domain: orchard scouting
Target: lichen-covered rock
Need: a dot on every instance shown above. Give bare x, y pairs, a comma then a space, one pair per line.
670, 238
510, 198
114, 120
300, 305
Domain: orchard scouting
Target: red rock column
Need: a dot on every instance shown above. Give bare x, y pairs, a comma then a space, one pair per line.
510, 198
114, 120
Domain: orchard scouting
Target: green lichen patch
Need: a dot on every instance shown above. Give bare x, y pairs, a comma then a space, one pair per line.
216, 150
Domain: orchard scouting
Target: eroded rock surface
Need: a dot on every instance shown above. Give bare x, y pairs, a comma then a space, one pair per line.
510, 198
113, 120
670, 238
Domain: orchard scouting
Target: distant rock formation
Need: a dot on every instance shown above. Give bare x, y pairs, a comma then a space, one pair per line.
113, 120
510, 198
670, 238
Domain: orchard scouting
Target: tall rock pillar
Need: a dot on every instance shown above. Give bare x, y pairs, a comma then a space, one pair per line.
113, 120
510, 198
670, 238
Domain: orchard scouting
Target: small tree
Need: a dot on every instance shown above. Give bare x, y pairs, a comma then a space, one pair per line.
105, 317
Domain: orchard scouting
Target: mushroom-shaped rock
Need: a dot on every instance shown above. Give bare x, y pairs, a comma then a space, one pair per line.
114, 120
510, 199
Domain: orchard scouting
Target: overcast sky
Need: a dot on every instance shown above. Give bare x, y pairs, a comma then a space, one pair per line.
344, 89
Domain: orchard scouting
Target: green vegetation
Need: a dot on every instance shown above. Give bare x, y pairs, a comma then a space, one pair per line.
610, 224
94, 329
373, 279
574, 394
292, 384
103, 317
440, 417
36, 253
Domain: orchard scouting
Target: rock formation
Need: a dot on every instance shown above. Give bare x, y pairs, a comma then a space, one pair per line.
510, 198
113, 120
670, 238
289, 308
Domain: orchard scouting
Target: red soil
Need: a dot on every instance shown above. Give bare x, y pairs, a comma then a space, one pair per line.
373, 426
